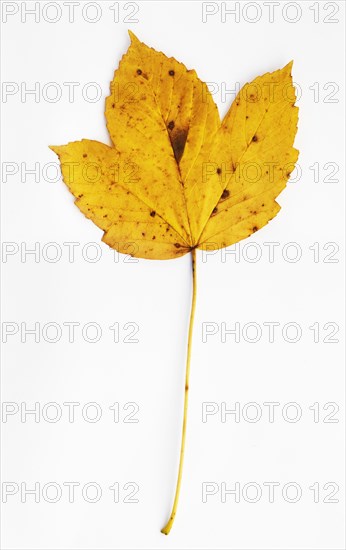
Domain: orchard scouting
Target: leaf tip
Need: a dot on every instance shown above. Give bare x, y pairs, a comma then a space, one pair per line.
133, 37
54, 148
287, 69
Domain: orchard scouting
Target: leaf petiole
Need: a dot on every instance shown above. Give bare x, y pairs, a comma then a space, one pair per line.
170, 522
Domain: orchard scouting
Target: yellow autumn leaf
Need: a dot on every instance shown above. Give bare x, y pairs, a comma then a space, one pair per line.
176, 178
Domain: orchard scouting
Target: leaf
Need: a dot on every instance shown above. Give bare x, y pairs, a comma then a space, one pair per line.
176, 179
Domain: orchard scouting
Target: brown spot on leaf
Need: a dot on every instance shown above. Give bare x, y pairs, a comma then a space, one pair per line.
171, 73
171, 125
214, 211
139, 71
153, 213
178, 138
225, 194
143, 234
177, 245
255, 228
218, 171
85, 156
255, 138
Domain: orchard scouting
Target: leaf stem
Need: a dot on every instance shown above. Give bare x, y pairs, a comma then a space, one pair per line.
170, 522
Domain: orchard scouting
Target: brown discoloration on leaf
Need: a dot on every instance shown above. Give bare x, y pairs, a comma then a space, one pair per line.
178, 139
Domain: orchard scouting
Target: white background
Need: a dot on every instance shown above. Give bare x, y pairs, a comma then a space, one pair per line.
156, 296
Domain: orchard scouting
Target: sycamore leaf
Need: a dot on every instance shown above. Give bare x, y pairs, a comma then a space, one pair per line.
175, 178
